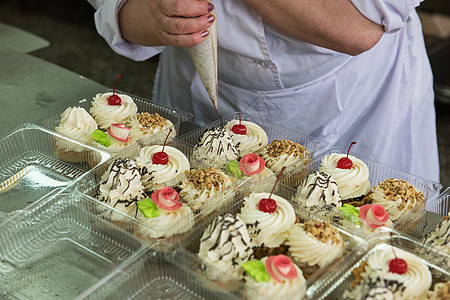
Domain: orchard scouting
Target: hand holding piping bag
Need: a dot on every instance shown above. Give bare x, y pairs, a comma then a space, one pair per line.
204, 56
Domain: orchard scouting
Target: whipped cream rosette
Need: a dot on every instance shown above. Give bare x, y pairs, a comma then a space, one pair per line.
283, 153
252, 141
274, 277
203, 189
352, 182
314, 243
77, 124
318, 188
397, 196
215, 148
157, 175
267, 228
225, 244
164, 214
415, 277
145, 124
106, 114
440, 236
375, 287
121, 187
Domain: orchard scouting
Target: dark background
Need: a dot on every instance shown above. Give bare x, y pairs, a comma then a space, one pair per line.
75, 45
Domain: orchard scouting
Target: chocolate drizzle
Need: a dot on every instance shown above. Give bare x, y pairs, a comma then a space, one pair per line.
224, 142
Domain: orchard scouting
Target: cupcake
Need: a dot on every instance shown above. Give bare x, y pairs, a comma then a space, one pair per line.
78, 125
204, 189
248, 137
268, 218
156, 174
440, 236
110, 108
164, 215
115, 138
314, 244
397, 196
352, 180
283, 153
225, 244
145, 124
121, 187
215, 148
319, 189
273, 277
250, 165
403, 274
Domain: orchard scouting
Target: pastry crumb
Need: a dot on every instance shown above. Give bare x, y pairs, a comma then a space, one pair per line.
322, 231
151, 120
398, 188
279, 147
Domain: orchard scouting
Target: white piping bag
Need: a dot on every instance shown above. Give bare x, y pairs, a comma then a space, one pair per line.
204, 56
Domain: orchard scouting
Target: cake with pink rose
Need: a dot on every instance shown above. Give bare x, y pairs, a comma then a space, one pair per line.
250, 165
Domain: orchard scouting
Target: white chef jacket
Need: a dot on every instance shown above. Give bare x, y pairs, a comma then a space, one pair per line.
383, 98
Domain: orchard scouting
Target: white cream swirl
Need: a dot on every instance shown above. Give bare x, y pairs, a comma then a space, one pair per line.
205, 196
121, 187
318, 189
286, 289
352, 182
417, 279
253, 141
155, 176
77, 124
116, 145
226, 244
105, 114
267, 229
169, 222
304, 247
440, 236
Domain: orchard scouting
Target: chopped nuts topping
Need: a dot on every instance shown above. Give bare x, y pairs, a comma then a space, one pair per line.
444, 291
279, 147
322, 231
208, 178
357, 272
395, 189
151, 120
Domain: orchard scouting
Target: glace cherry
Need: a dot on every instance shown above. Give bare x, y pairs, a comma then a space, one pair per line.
239, 128
269, 205
345, 162
397, 265
161, 158
114, 99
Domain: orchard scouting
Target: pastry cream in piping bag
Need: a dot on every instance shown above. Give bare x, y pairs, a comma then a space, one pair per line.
204, 56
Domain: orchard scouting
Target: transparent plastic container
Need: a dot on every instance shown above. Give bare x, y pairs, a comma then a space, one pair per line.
237, 287
59, 247
335, 283
151, 276
175, 116
377, 173
273, 132
31, 166
164, 235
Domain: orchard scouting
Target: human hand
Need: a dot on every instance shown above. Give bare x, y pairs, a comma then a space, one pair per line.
180, 23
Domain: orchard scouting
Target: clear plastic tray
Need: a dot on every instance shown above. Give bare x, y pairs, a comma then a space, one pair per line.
58, 248
273, 132
175, 116
377, 172
151, 276
30, 167
335, 283
192, 244
91, 183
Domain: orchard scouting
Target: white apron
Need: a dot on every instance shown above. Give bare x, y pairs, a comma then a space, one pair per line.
383, 98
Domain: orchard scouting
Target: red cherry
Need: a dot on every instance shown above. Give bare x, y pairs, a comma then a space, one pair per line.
114, 99
239, 128
161, 158
345, 162
398, 265
267, 205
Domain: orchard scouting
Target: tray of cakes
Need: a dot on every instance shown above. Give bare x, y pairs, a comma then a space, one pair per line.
113, 121
35, 161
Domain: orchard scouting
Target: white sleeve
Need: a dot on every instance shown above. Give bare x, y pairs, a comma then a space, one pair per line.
107, 24
392, 14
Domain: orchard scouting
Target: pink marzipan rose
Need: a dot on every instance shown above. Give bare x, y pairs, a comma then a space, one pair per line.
251, 164
280, 267
374, 215
167, 198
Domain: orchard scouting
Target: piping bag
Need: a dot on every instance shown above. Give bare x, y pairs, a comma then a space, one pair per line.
204, 57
